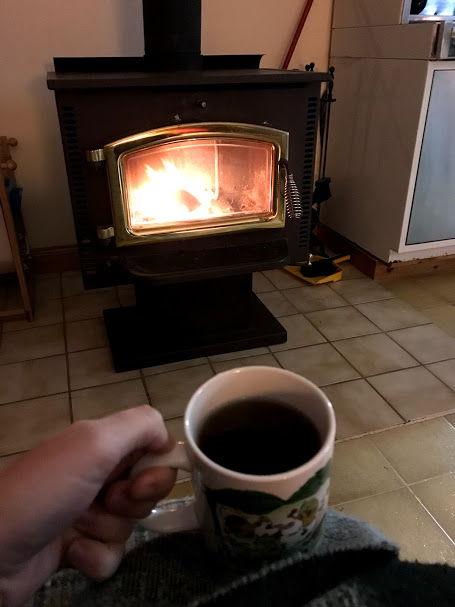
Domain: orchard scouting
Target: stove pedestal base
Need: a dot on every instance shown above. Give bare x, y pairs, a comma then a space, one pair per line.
180, 322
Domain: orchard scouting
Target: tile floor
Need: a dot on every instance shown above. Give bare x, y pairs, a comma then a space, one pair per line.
383, 353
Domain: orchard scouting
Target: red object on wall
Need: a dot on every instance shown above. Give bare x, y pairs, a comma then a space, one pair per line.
298, 31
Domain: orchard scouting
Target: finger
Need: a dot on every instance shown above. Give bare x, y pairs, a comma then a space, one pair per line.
133, 498
69, 470
152, 484
125, 465
95, 559
119, 502
101, 525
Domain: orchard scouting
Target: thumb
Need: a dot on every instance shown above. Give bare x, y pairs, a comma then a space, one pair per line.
48, 488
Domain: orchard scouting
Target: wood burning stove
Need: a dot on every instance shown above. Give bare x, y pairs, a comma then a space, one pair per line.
177, 182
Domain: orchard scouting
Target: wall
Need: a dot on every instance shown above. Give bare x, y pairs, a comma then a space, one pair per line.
32, 33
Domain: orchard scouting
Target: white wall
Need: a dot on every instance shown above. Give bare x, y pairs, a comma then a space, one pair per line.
32, 33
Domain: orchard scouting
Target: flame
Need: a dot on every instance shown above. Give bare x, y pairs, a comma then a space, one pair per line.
174, 195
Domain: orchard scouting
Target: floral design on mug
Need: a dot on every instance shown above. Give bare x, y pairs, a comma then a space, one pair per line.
248, 523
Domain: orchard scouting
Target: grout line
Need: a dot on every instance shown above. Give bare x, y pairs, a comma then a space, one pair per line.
432, 516
51, 324
434, 374
275, 358
182, 368
12, 402
144, 383
411, 422
70, 399
112, 383
15, 453
372, 432
431, 478
210, 363
364, 497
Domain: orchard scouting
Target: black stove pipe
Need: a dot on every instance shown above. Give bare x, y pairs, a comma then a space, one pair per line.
172, 34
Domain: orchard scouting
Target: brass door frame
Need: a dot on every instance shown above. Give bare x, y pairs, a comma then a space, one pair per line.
114, 152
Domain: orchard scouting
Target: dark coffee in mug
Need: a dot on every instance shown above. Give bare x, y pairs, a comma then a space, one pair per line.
258, 437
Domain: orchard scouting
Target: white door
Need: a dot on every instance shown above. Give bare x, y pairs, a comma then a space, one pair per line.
433, 208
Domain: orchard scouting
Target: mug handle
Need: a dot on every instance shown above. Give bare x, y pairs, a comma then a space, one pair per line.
169, 516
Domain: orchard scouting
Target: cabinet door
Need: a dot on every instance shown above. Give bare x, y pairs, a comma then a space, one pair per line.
433, 207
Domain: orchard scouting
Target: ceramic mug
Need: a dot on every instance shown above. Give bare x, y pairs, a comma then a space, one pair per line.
245, 516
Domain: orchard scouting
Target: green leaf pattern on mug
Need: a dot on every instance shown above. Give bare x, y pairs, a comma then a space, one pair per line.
256, 502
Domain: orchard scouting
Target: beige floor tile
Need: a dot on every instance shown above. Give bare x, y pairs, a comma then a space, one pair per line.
427, 343
102, 400
374, 354
175, 428
171, 392
341, 323
320, 364
359, 409
277, 303
399, 516
31, 378
445, 371
300, 333
414, 393
437, 495
261, 284
126, 295
7, 460
443, 317
441, 284
40, 342
320, 297
361, 290
451, 419
47, 312
350, 271
390, 314
26, 423
86, 334
183, 489
414, 294
240, 354
182, 364
265, 359
284, 280
94, 368
72, 284
358, 470
47, 286
82, 307
419, 451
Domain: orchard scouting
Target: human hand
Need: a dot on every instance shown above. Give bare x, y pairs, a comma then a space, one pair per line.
69, 502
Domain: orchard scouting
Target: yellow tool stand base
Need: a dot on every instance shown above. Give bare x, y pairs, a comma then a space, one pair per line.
319, 280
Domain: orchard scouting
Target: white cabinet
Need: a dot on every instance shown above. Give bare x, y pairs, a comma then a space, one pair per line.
391, 152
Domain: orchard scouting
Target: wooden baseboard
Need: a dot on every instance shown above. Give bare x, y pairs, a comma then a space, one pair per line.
361, 259
377, 269
54, 259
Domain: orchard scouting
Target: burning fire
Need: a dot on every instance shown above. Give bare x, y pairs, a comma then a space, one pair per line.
174, 195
